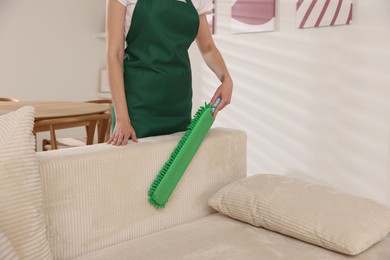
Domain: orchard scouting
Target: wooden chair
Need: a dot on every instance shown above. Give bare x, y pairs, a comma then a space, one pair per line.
9, 99
108, 131
100, 122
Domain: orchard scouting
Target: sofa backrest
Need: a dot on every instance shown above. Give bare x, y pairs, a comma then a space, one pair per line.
96, 196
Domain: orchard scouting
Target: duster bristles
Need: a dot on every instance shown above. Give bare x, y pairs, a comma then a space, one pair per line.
198, 115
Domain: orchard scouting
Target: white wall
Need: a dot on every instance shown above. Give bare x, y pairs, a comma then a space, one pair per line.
315, 103
48, 49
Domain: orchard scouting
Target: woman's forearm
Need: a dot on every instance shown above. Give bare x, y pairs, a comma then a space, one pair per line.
215, 62
115, 74
210, 52
115, 52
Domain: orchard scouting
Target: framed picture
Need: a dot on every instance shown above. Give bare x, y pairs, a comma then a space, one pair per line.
317, 13
253, 16
104, 83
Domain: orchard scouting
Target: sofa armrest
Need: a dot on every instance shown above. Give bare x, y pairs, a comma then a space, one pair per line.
96, 196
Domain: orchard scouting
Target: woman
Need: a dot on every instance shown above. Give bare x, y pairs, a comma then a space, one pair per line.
150, 77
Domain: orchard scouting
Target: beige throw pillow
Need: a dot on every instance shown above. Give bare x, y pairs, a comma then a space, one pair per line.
21, 198
306, 211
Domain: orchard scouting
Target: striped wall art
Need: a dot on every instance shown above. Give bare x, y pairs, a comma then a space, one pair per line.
316, 13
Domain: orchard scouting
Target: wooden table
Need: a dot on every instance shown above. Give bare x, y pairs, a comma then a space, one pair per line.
52, 115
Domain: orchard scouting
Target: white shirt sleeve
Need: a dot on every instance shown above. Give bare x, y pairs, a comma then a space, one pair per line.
123, 2
202, 6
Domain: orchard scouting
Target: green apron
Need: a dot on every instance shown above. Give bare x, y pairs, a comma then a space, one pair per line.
157, 70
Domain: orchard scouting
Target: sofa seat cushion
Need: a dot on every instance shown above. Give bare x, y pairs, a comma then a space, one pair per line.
220, 237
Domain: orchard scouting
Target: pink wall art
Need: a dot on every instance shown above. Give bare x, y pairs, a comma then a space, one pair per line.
316, 13
253, 16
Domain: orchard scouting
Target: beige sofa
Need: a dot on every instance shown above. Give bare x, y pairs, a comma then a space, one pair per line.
91, 203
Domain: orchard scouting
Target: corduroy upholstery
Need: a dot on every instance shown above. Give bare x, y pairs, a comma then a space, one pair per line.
22, 223
218, 237
96, 196
7, 251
